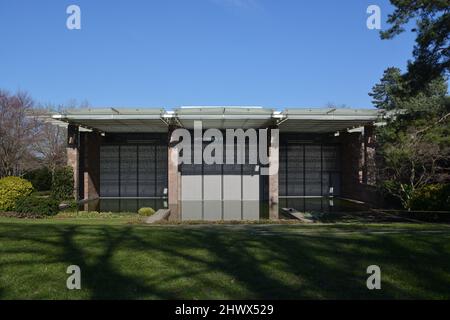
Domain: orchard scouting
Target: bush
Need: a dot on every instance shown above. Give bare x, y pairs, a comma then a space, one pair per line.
37, 205
62, 184
146, 212
433, 197
11, 190
41, 179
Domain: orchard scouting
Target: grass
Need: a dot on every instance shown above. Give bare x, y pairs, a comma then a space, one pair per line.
120, 259
78, 216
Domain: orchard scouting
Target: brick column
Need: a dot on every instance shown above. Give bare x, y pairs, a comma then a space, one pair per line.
173, 178
358, 167
91, 168
274, 155
351, 160
73, 156
369, 168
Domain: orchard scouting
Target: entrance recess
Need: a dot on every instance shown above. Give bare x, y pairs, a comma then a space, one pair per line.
221, 191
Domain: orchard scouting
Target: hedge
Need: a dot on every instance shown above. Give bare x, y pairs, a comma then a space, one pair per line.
62, 184
41, 178
37, 205
433, 197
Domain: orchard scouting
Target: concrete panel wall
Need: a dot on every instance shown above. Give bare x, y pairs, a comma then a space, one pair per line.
212, 210
232, 187
250, 188
250, 210
232, 210
191, 188
212, 187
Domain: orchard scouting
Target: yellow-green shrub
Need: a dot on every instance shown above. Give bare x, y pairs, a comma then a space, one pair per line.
146, 212
11, 190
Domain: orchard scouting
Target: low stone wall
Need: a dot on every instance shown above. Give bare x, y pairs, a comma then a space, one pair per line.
365, 193
161, 214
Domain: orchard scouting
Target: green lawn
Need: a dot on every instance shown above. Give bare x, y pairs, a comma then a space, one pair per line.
120, 260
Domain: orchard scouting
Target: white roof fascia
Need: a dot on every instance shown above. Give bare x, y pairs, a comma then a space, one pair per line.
221, 107
224, 116
106, 117
332, 117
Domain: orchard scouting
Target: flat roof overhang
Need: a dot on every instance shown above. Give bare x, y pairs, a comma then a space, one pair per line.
327, 120
225, 117
116, 120
313, 120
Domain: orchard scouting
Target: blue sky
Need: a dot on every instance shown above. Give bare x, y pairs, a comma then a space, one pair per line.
167, 53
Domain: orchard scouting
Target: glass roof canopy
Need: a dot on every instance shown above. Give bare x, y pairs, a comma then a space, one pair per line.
313, 120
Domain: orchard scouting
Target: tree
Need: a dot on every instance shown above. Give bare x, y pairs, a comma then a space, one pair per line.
414, 146
393, 93
386, 93
413, 157
27, 140
431, 52
50, 144
18, 132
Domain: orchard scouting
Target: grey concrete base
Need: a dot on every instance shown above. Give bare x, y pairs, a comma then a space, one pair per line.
161, 214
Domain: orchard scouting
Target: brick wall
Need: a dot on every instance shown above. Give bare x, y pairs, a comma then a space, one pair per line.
73, 156
91, 164
358, 167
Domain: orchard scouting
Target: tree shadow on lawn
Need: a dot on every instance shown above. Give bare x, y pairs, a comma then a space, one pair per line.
218, 263
104, 280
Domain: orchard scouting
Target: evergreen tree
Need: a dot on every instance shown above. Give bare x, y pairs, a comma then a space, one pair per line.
431, 52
